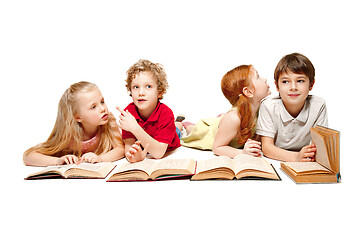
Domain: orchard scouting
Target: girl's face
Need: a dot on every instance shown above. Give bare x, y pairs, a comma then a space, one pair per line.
92, 110
261, 87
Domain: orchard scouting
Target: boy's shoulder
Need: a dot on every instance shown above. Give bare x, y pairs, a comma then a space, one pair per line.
164, 107
313, 99
162, 111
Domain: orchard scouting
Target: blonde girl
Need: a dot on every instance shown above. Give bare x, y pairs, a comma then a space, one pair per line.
84, 131
230, 134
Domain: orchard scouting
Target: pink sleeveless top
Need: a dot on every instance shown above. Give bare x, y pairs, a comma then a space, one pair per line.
91, 144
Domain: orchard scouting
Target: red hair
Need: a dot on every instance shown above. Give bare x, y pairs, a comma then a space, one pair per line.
232, 85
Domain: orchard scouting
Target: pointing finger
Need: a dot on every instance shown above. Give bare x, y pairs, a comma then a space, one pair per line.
120, 110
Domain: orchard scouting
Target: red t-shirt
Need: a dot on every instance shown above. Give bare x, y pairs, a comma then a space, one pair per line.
160, 125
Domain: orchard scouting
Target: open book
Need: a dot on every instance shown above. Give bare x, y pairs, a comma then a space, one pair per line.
151, 169
242, 166
326, 167
83, 170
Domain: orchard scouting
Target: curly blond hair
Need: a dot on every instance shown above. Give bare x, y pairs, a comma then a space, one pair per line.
157, 71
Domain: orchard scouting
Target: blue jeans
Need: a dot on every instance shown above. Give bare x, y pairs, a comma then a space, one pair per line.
178, 132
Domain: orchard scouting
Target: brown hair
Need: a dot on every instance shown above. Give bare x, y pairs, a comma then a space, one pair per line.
232, 85
157, 71
296, 63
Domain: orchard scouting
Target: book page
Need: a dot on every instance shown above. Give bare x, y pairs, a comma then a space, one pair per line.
321, 156
172, 167
94, 167
144, 166
51, 170
172, 164
60, 169
307, 167
217, 162
90, 170
331, 138
246, 162
334, 137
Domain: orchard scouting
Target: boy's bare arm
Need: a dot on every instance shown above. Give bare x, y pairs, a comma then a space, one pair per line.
128, 122
271, 151
156, 149
135, 153
306, 154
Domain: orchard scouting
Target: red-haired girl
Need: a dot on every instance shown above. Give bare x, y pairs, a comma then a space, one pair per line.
231, 134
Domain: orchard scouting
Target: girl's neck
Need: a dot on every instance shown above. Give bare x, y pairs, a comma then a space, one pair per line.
89, 133
254, 106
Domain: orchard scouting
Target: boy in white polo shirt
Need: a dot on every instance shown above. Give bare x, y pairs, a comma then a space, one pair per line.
284, 121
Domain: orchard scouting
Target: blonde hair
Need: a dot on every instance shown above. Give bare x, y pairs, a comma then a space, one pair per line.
232, 85
157, 71
67, 133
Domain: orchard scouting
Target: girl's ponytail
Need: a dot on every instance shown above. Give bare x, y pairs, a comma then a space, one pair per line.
232, 85
246, 117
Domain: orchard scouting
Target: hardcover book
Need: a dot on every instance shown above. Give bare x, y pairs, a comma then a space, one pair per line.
151, 169
243, 166
83, 170
326, 168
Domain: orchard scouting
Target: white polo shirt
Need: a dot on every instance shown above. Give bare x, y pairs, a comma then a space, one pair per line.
288, 132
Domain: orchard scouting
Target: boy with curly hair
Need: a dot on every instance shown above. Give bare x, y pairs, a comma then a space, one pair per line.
146, 121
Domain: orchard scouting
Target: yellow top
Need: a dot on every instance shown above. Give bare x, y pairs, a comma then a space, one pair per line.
203, 134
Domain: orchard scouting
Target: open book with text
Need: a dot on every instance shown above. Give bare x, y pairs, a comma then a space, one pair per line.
242, 166
326, 167
83, 170
152, 169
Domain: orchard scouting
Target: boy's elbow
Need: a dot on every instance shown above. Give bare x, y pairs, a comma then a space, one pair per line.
158, 156
160, 152
266, 152
266, 149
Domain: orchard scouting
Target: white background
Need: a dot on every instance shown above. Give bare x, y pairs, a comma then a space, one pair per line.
47, 45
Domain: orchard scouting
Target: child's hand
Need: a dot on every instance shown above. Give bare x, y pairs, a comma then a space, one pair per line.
252, 148
90, 157
70, 159
135, 154
307, 153
127, 120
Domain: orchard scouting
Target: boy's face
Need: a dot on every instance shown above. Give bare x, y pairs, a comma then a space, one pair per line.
293, 88
145, 94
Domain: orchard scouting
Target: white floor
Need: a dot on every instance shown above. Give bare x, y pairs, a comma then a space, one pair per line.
181, 208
